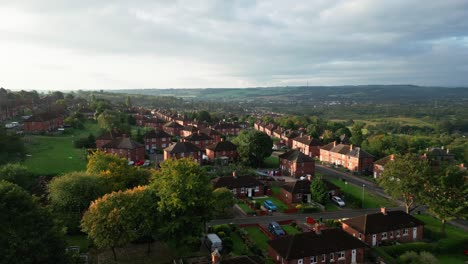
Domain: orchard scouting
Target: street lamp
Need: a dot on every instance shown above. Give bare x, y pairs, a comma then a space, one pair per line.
363, 185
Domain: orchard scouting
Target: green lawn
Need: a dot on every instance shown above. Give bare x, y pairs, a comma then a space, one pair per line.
258, 237
279, 204
276, 189
239, 247
271, 162
435, 225
370, 200
78, 240
330, 207
290, 230
452, 258
244, 207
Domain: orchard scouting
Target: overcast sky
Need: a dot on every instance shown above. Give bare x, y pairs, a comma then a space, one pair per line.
91, 44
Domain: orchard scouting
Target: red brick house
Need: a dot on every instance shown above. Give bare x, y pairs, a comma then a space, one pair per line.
183, 150
157, 139
307, 145
126, 148
259, 126
173, 128
199, 139
44, 122
215, 135
241, 186
438, 156
227, 128
188, 130
322, 246
107, 137
379, 165
296, 192
353, 158
295, 163
383, 227
223, 150
287, 137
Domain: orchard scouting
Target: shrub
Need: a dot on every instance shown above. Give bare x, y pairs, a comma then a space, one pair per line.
293, 224
446, 245
222, 228
332, 223
227, 244
257, 206
398, 250
310, 210
221, 234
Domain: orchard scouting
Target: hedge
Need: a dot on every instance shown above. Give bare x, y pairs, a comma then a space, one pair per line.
398, 250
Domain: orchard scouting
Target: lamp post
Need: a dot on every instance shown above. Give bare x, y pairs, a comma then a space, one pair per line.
363, 185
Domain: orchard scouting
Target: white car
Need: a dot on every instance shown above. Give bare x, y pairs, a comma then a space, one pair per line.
338, 201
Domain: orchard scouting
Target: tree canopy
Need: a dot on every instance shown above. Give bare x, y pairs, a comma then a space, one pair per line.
223, 200
11, 147
318, 190
253, 146
17, 174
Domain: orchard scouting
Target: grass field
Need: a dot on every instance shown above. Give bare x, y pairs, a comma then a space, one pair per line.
290, 230
279, 204
271, 162
331, 207
258, 237
435, 225
244, 207
78, 240
239, 247
370, 200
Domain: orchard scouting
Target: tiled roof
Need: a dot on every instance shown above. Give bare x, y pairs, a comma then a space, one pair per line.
296, 156
328, 146
359, 153
341, 148
173, 125
190, 128
182, 147
308, 140
378, 222
210, 132
198, 137
157, 134
384, 160
290, 134
222, 146
226, 126
123, 143
311, 244
236, 182
300, 186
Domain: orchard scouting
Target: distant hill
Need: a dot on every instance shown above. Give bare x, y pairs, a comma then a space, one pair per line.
297, 94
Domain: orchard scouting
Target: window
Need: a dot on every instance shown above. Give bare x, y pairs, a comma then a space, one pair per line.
299, 261
332, 257
182, 154
398, 233
153, 140
234, 191
313, 259
405, 232
242, 190
163, 145
391, 234
163, 139
257, 188
324, 257
341, 255
384, 235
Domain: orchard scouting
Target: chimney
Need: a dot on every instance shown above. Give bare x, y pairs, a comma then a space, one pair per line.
309, 177
234, 175
351, 147
222, 139
392, 157
383, 210
317, 228
334, 143
215, 257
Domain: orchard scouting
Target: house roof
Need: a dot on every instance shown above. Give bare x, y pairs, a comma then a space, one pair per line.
311, 244
308, 140
290, 134
210, 132
198, 137
123, 143
190, 128
341, 148
384, 160
438, 152
243, 260
157, 134
300, 186
236, 182
379, 222
296, 156
45, 116
329, 146
222, 146
173, 125
226, 126
359, 153
182, 147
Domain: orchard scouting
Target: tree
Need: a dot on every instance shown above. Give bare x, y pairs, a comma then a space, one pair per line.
11, 147
108, 121
411, 257
17, 174
118, 174
445, 195
121, 217
71, 194
185, 196
318, 191
222, 199
356, 133
204, 116
403, 178
128, 102
27, 231
253, 146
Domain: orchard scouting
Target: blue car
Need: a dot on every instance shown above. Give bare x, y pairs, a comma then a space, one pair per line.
269, 205
276, 229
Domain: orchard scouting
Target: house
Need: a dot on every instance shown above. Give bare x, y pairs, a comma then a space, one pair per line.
227, 128
157, 139
384, 227
107, 137
188, 130
247, 186
126, 148
215, 135
183, 150
43, 122
353, 158
269, 128
295, 163
296, 192
224, 150
307, 145
379, 165
173, 128
287, 137
322, 246
438, 156
199, 139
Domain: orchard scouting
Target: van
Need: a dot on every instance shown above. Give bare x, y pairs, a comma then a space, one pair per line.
212, 242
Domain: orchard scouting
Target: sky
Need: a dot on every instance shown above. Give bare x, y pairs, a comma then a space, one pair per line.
121, 44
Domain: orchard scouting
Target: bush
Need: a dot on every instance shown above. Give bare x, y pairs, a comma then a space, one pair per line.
221, 234
293, 224
310, 210
222, 228
398, 250
446, 245
257, 206
227, 244
332, 223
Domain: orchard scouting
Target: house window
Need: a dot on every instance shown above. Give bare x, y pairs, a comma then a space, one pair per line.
257, 188
163, 139
299, 261
153, 140
405, 232
332, 257
324, 257
234, 191
163, 145
313, 260
341, 255
384, 235
398, 233
182, 154
242, 190
391, 234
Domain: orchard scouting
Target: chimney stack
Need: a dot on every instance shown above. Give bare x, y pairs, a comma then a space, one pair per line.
351, 147
383, 210
215, 257
234, 175
392, 157
334, 143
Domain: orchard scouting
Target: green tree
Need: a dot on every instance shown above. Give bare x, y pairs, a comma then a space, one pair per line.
27, 231
121, 217
411, 257
402, 179
11, 147
446, 194
17, 174
222, 199
71, 194
185, 196
318, 191
253, 146
356, 133
128, 102
204, 116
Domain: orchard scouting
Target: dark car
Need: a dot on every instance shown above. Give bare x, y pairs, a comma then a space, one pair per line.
276, 229
269, 205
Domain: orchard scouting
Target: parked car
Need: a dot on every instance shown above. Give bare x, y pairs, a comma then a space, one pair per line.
338, 201
131, 163
269, 205
276, 229
140, 162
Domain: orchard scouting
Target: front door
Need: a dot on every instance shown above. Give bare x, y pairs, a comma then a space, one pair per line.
415, 233
353, 256
249, 192
374, 239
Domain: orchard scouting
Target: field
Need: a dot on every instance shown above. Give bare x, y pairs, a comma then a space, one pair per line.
271, 162
370, 200
290, 230
279, 204
259, 238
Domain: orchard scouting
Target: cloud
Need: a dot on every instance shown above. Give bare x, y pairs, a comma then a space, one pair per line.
56, 44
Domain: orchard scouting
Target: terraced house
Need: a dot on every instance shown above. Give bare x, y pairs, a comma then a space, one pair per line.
307, 145
353, 158
296, 164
